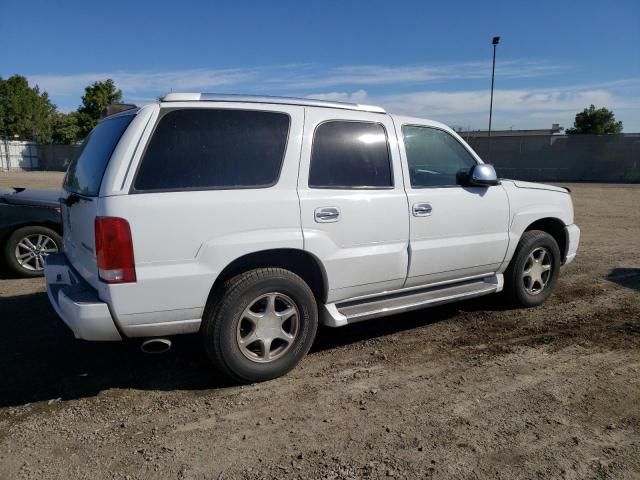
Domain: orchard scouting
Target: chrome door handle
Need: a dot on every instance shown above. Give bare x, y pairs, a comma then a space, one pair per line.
422, 209
327, 214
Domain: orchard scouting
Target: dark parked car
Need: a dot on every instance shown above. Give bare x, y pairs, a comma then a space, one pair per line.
30, 229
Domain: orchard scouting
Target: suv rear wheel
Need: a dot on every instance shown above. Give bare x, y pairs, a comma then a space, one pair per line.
27, 247
260, 324
534, 269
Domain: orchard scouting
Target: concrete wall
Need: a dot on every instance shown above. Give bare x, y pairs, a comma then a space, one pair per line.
563, 158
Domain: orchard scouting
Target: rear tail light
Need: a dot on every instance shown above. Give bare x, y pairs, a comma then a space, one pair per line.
114, 250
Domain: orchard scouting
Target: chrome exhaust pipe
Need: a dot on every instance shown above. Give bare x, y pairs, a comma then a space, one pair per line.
156, 345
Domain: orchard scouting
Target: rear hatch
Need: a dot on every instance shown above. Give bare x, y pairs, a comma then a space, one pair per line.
80, 202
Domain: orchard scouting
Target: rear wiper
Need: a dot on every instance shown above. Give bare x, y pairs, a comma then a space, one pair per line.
71, 199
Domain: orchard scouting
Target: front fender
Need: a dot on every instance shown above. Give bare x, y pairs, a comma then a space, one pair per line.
521, 220
528, 205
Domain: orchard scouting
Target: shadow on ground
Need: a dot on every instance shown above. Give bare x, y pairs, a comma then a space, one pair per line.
40, 359
6, 273
627, 277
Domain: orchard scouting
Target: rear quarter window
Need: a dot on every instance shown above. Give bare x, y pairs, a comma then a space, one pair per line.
85, 173
201, 149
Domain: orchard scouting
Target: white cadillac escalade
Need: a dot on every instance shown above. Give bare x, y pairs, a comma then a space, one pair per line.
249, 220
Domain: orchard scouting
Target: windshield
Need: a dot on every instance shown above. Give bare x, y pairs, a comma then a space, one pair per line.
85, 172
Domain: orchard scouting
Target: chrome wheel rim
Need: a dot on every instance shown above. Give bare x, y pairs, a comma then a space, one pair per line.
537, 271
268, 327
31, 250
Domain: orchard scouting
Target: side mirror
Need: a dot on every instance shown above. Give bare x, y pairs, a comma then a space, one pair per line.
483, 175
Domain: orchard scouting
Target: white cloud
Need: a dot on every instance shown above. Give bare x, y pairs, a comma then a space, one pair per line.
518, 108
522, 107
291, 77
132, 83
372, 75
524, 100
359, 96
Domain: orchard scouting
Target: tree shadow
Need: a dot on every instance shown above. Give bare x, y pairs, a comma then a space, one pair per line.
627, 277
40, 359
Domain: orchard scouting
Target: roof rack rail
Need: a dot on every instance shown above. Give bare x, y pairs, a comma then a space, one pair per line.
308, 102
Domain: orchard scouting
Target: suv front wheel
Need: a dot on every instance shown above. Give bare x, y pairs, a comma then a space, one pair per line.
533, 271
260, 324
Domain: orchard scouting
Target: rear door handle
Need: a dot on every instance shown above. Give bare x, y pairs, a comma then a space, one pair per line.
422, 209
327, 214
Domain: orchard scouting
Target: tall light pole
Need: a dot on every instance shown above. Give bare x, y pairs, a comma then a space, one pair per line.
496, 41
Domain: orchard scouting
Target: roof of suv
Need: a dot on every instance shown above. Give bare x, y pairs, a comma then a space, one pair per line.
309, 102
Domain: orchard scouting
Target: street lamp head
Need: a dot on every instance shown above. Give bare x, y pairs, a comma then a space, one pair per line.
496, 40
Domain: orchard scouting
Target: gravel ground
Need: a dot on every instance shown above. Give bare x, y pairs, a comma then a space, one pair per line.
470, 390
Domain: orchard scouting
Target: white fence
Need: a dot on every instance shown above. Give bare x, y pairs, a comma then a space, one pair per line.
16, 155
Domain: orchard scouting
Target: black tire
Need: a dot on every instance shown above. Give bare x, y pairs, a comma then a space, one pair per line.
225, 309
17, 238
519, 288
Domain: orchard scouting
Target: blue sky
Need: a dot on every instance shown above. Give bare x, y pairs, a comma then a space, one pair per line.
430, 59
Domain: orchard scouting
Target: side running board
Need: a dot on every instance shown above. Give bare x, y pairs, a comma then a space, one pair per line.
344, 313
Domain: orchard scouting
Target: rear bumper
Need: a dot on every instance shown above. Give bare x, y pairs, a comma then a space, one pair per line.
77, 302
573, 239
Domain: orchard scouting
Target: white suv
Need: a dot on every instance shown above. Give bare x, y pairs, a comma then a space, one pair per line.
251, 219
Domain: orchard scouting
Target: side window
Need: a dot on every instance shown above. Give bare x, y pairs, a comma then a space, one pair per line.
203, 148
350, 155
435, 158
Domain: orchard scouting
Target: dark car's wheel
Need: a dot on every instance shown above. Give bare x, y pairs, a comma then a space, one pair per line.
533, 271
26, 248
260, 324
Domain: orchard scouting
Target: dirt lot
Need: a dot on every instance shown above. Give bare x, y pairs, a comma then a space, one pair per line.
31, 179
472, 390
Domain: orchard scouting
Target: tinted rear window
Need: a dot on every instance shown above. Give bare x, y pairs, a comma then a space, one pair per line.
214, 149
350, 155
85, 172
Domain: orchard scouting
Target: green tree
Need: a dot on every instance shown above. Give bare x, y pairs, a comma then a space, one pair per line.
66, 128
96, 97
598, 121
25, 113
